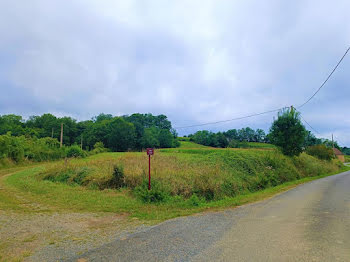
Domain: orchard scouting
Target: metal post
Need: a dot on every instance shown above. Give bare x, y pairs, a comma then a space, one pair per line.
149, 172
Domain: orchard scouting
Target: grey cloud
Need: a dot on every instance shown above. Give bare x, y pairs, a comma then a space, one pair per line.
195, 62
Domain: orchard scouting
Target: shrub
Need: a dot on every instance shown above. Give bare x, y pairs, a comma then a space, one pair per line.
75, 151
194, 200
320, 151
155, 195
98, 148
117, 180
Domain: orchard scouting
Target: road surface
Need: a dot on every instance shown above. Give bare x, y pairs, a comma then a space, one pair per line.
308, 223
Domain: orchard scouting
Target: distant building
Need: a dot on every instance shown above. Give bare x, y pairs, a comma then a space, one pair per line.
339, 154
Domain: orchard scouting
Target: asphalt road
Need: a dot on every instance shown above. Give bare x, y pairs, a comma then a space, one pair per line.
308, 223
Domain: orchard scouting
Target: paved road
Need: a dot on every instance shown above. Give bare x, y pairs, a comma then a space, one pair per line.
308, 223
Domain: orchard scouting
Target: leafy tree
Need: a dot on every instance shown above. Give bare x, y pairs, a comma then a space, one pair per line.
150, 138
102, 117
221, 140
231, 134
259, 135
120, 135
11, 123
288, 133
311, 140
165, 138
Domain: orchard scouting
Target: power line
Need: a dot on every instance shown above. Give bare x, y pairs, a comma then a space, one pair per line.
329, 76
233, 119
238, 118
309, 124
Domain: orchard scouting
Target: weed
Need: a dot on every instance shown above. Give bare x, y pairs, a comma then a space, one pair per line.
156, 194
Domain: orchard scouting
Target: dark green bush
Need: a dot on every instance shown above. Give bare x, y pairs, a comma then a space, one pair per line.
320, 151
157, 193
83, 172
194, 200
98, 148
117, 180
75, 151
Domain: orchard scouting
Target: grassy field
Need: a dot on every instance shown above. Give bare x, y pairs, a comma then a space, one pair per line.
185, 180
189, 144
260, 145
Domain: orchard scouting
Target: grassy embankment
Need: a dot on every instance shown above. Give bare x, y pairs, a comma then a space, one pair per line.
347, 158
185, 180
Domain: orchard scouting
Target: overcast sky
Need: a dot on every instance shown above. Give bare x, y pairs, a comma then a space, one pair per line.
194, 61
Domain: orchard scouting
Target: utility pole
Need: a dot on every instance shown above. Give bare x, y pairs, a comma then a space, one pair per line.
61, 142
333, 145
52, 133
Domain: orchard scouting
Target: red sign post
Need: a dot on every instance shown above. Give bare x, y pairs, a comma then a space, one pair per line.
150, 152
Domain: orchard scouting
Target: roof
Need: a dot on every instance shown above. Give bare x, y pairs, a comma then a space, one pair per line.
337, 152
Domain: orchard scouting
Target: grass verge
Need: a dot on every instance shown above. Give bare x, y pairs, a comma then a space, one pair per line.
62, 197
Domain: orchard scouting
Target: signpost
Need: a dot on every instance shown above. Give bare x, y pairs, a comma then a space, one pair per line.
150, 152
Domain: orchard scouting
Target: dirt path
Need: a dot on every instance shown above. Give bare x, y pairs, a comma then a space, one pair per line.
32, 232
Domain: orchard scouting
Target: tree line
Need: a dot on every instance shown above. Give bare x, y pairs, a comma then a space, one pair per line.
230, 138
134, 132
286, 132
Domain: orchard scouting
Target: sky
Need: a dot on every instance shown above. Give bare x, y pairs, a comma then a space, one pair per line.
195, 61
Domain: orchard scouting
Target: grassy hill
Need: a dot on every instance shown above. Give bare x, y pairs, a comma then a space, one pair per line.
189, 144
184, 180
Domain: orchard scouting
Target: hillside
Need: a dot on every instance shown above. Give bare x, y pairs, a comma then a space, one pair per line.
186, 174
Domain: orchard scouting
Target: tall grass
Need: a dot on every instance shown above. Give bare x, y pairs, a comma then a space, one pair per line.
211, 174
347, 158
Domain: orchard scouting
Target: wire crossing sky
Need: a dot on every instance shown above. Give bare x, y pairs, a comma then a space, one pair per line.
195, 61
329, 76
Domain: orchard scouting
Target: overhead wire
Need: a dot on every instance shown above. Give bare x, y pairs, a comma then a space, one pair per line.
335, 139
229, 120
329, 76
309, 124
275, 110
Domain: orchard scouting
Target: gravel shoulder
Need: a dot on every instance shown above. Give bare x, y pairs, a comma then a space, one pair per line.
30, 231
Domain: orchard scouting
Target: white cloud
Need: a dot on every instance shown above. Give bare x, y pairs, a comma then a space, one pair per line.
195, 61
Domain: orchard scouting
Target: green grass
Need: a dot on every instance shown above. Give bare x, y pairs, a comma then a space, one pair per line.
188, 144
181, 170
260, 145
347, 158
59, 197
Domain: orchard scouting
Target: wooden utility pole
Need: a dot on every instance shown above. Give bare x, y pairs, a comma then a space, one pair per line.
333, 145
61, 141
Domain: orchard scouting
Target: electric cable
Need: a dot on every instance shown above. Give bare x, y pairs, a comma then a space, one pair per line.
233, 119
329, 76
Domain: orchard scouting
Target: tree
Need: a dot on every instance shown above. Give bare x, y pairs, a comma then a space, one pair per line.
11, 123
311, 140
120, 135
260, 135
288, 133
165, 138
150, 138
222, 140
